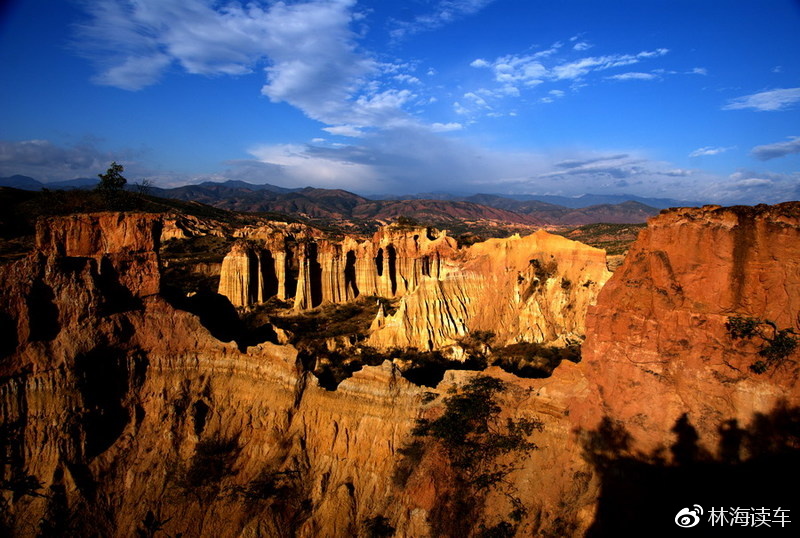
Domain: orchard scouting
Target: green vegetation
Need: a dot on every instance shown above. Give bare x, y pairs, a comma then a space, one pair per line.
614, 238
776, 344
112, 180
407, 222
330, 320
181, 257
482, 450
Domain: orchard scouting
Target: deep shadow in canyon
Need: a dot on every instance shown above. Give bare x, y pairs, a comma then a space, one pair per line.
754, 468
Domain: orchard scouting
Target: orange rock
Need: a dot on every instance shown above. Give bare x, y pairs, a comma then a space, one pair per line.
656, 344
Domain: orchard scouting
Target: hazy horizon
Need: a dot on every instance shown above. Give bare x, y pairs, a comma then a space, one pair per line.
683, 100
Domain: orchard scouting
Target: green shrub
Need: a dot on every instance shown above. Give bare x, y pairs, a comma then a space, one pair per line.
777, 345
474, 438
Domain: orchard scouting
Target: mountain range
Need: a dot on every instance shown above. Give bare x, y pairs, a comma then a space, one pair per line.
317, 203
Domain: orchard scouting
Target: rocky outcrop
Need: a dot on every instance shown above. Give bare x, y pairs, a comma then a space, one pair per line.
531, 289
131, 416
125, 411
657, 346
182, 226
311, 270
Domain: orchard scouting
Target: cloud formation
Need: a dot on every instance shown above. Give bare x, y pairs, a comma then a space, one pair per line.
708, 150
307, 50
778, 149
442, 12
518, 73
540, 66
45, 161
634, 76
770, 100
749, 187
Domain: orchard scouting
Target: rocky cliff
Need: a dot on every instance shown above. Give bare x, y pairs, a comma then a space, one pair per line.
658, 330
119, 410
522, 289
532, 289
296, 263
122, 414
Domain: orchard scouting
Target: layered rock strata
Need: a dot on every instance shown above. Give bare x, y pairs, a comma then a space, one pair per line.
114, 407
658, 332
131, 416
311, 270
522, 289
534, 289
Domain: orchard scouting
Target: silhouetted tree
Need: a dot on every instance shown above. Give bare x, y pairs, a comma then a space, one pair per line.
112, 180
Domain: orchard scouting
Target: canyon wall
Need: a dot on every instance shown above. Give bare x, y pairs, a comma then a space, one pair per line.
658, 334
297, 264
114, 402
523, 289
130, 416
532, 289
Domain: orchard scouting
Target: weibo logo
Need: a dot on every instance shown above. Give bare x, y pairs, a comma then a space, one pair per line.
689, 517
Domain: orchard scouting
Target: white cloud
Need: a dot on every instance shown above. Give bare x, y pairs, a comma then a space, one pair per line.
552, 95
750, 187
634, 76
445, 127
308, 48
699, 71
769, 100
443, 12
581, 46
407, 79
584, 66
753, 182
708, 150
344, 130
778, 149
45, 161
533, 69
293, 165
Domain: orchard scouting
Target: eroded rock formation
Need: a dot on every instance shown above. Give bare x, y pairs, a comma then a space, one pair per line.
658, 329
132, 416
316, 270
121, 406
533, 289
522, 289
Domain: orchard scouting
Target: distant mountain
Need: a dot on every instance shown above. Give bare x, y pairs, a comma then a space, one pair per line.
587, 200
628, 212
582, 201
438, 211
20, 182
340, 204
318, 203
79, 183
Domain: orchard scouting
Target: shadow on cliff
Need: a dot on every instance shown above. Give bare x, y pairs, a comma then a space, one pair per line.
220, 317
747, 487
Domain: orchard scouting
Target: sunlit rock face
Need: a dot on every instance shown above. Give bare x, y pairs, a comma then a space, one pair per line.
533, 289
108, 394
113, 398
522, 289
295, 263
657, 346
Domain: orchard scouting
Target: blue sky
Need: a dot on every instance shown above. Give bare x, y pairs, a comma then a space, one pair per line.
695, 100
